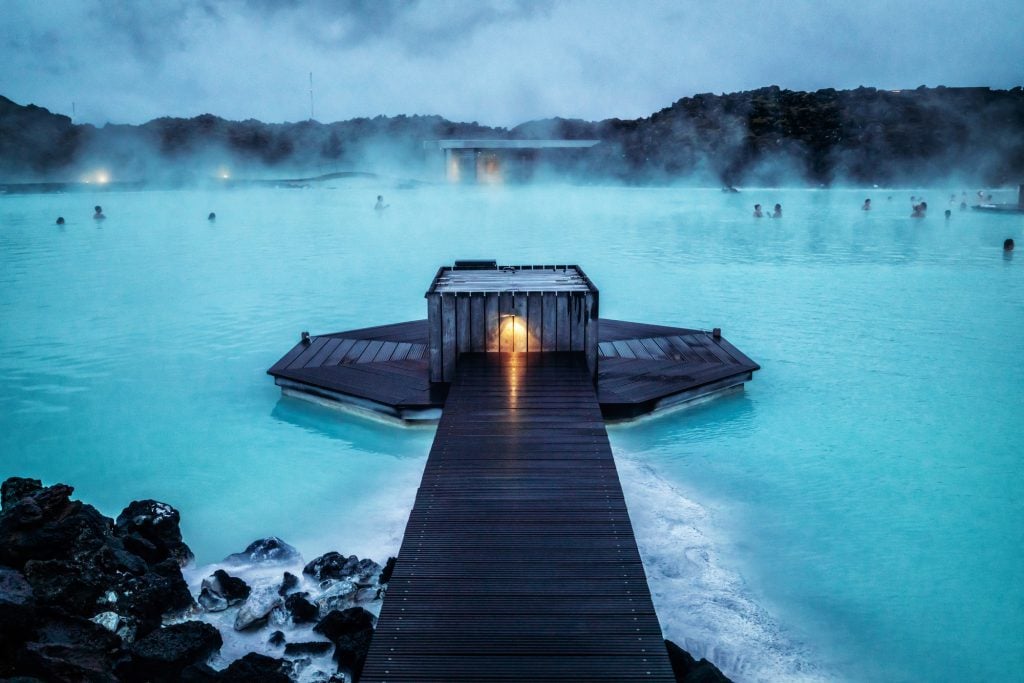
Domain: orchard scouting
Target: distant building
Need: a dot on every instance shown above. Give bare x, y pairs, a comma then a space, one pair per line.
495, 161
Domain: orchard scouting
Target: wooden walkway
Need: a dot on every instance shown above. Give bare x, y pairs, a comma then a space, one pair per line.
518, 560
641, 367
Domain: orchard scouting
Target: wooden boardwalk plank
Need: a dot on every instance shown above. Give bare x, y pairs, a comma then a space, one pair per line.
518, 560
339, 352
311, 350
323, 353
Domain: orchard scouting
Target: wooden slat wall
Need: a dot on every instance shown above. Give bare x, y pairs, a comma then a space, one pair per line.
462, 322
550, 316
491, 322
478, 324
563, 340
505, 309
590, 333
521, 312
448, 336
482, 321
434, 338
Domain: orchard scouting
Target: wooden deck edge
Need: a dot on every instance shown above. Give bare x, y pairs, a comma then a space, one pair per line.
404, 415
621, 413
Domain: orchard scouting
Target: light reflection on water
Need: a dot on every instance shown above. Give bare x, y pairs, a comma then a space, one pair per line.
855, 513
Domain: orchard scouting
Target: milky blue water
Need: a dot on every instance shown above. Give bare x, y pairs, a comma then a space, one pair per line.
855, 514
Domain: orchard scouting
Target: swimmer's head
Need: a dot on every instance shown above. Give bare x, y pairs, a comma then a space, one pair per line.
99, 209
380, 198
60, 220
948, 213
757, 207
212, 216
1008, 244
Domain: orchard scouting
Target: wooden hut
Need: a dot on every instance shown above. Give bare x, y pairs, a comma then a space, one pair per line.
480, 307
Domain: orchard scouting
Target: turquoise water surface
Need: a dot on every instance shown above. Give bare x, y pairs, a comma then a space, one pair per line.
855, 514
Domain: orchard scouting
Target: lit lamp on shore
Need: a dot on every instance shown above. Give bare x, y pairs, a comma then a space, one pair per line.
99, 176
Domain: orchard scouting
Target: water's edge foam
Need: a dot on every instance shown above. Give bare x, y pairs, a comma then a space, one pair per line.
704, 605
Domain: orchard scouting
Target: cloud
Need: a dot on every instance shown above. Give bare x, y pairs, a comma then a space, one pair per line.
496, 61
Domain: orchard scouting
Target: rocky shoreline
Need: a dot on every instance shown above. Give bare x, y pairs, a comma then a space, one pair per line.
87, 598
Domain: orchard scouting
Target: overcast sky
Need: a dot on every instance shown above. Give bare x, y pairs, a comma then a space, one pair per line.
499, 62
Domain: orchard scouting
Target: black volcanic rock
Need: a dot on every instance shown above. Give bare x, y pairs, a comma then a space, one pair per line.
302, 610
68, 648
389, 569
46, 525
150, 530
351, 631
256, 667
335, 566
70, 585
347, 621
155, 594
17, 616
316, 647
220, 590
265, 551
16, 488
231, 587
252, 668
689, 670
164, 653
330, 565
288, 582
84, 599
70, 556
211, 600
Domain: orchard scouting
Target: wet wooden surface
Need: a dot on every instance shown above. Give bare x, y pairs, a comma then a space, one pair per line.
518, 560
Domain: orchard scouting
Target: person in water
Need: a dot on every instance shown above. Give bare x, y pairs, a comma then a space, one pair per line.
380, 205
1008, 244
948, 214
777, 213
99, 213
60, 220
920, 210
757, 211
867, 205
212, 216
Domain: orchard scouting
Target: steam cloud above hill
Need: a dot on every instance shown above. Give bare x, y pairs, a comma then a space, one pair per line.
499, 62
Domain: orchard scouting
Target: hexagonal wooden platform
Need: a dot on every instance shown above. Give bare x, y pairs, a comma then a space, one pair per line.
641, 368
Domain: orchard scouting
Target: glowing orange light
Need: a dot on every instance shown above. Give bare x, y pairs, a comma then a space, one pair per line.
513, 335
